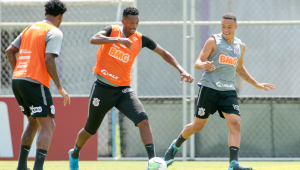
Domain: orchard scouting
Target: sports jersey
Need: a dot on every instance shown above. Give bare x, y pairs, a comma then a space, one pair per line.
31, 58
114, 60
226, 58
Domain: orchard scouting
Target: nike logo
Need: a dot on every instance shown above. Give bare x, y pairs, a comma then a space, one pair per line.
26, 149
43, 154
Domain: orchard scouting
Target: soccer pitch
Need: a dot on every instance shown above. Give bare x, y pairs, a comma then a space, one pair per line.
141, 165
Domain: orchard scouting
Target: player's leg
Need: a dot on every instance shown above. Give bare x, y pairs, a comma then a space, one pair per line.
231, 112
131, 107
100, 102
206, 105
47, 127
26, 142
32, 127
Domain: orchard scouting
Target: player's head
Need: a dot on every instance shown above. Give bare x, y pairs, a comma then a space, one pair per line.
229, 25
55, 8
130, 19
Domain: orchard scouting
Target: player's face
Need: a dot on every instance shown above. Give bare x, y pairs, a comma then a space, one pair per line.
130, 24
228, 28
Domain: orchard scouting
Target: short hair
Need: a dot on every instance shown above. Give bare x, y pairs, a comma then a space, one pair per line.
229, 16
130, 11
55, 7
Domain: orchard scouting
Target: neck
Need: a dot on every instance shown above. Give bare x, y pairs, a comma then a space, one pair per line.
52, 20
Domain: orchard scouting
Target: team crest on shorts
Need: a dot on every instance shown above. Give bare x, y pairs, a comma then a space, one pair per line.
96, 102
237, 49
52, 109
201, 111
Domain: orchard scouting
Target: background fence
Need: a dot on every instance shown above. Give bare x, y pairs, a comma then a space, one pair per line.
269, 28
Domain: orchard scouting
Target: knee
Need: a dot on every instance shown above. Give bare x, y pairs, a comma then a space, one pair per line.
236, 125
197, 127
50, 127
143, 124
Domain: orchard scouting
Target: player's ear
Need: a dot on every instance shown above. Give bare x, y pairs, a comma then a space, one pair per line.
236, 26
60, 16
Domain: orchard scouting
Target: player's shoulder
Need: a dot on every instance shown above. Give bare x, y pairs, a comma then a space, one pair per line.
56, 31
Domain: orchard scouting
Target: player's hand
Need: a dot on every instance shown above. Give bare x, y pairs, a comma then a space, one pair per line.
125, 41
265, 86
208, 65
65, 95
186, 77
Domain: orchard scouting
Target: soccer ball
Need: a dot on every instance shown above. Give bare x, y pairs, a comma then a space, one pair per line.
156, 163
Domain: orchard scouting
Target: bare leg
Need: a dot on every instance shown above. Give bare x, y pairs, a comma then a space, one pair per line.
145, 132
45, 134
234, 125
26, 142
196, 126
82, 138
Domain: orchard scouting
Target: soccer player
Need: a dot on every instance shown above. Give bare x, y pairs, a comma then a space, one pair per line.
221, 56
38, 46
120, 45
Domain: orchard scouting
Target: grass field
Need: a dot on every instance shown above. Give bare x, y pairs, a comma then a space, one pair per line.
141, 165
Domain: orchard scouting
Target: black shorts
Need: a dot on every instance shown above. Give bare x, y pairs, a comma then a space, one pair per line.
103, 97
34, 99
211, 100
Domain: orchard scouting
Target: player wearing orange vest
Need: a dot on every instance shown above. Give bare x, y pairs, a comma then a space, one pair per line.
38, 46
120, 45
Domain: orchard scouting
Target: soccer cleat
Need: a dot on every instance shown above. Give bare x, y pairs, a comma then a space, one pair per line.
170, 153
169, 162
73, 161
234, 165
27, 169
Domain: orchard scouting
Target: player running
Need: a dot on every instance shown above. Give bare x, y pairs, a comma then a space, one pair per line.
221, 56
38, 46
120, 45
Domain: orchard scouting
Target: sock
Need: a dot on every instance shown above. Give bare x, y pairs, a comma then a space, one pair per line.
40, 159
24, 151
179, 141
150, 150
234, 153
76, 151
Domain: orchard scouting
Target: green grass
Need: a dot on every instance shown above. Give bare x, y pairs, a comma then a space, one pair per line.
141, 165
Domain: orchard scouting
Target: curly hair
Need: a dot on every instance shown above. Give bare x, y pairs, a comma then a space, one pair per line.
229, 16
130, 11
55, 7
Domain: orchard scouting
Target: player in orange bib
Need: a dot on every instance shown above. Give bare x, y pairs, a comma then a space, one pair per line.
38, 46
120, 45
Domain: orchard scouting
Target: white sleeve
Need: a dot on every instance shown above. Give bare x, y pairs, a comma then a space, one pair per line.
17, 42
54, 39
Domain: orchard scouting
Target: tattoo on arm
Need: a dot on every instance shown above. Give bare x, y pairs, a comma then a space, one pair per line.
51, 67
244, 74
12, 60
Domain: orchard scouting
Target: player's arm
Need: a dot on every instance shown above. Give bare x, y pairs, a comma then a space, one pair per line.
171, 60
102, 38
11, 52
208, 49
52, 70
53, 46
242, 72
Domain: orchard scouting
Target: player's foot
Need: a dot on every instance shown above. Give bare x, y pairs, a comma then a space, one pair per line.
169, 162
234, 165
73, 161
27, 169
170, 153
